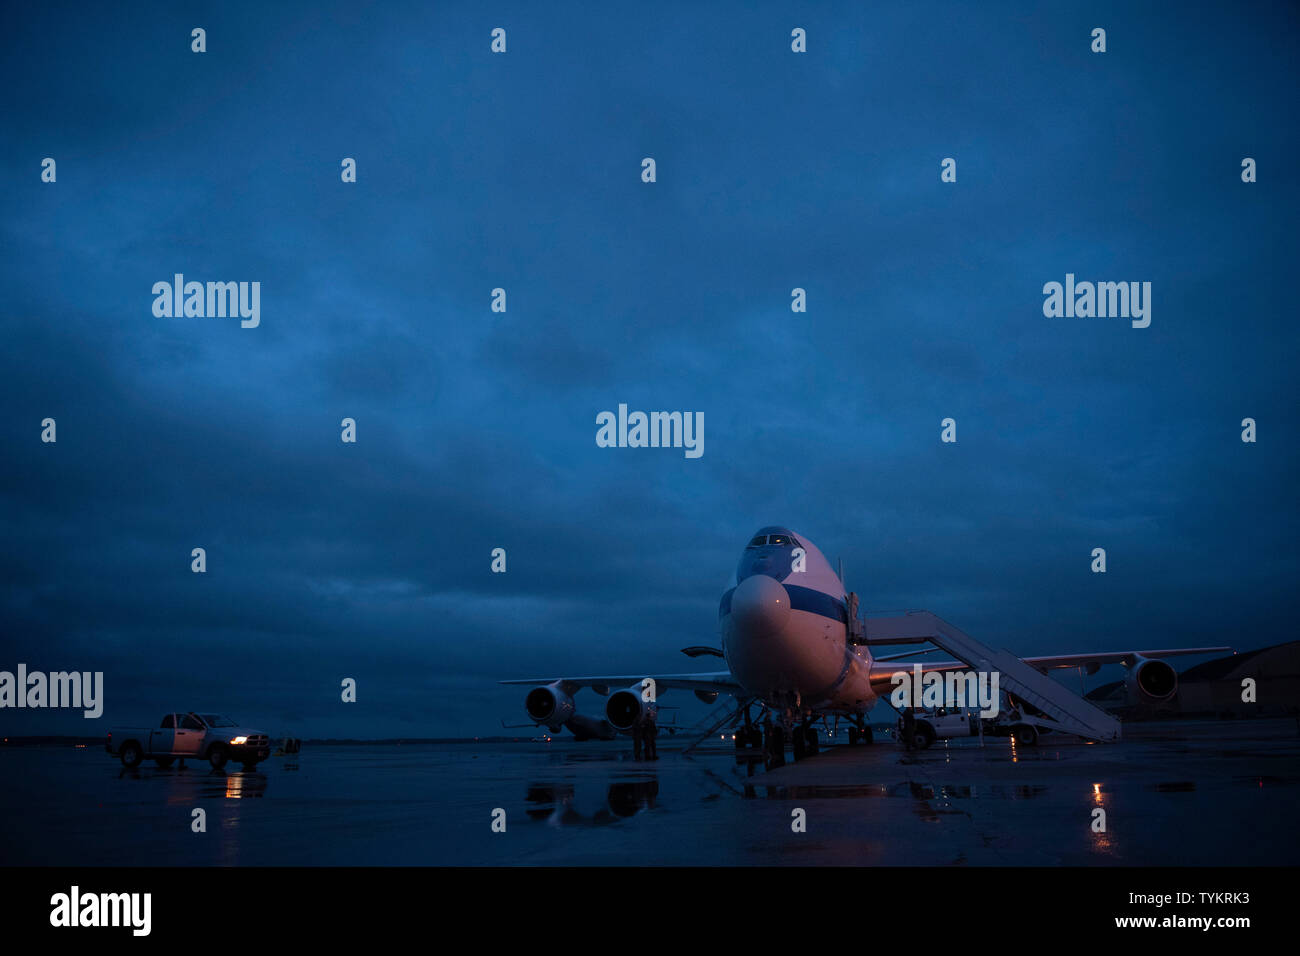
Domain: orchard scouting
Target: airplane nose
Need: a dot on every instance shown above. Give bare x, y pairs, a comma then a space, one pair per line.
760, 605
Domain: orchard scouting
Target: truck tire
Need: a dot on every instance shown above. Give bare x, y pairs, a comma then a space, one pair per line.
131, 754
1026, 735
923, 736
217, 756
163, 761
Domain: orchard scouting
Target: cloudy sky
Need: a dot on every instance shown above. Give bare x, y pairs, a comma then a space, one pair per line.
477, 429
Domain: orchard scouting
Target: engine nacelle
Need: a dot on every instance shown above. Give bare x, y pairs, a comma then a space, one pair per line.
627, 708
1151, 680
549, 705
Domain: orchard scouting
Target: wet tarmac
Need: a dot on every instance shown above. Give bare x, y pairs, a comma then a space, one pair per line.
1176, 794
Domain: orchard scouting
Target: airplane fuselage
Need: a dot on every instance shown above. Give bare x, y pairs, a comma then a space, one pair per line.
784, 627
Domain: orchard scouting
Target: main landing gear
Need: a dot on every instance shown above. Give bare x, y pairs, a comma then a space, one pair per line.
795, 729
774, 746
861, 733
805, 740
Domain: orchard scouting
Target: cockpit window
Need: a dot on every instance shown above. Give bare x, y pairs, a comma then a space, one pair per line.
782, 539
759, 541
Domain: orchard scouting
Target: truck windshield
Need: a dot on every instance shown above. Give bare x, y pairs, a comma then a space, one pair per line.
216, 720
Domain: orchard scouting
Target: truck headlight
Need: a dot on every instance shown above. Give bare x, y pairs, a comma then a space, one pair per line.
239, 740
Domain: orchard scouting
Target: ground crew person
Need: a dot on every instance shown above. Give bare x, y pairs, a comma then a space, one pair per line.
651, 732
909, 727
637, 734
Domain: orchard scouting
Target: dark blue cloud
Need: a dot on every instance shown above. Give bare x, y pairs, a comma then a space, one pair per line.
476, 429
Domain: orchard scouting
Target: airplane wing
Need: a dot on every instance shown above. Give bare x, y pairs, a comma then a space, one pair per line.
721, 681
1092, 662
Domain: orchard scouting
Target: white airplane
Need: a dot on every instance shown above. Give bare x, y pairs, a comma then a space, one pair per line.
794, 645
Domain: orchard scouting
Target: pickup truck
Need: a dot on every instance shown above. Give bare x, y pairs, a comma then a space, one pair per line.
943, 723
940, 723
209, 737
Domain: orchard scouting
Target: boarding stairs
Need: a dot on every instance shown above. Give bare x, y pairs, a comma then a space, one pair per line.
731, 710
1060, 708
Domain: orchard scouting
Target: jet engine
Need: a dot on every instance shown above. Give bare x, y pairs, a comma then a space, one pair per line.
627, 708
1151, 680
549, 705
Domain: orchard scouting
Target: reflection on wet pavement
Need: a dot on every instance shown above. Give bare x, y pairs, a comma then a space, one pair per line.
864, 805
557, 804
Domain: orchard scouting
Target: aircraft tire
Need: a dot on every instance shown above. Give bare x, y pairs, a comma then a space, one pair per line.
776, 746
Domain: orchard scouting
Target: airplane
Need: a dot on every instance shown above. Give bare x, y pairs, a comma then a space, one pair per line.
795, 646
